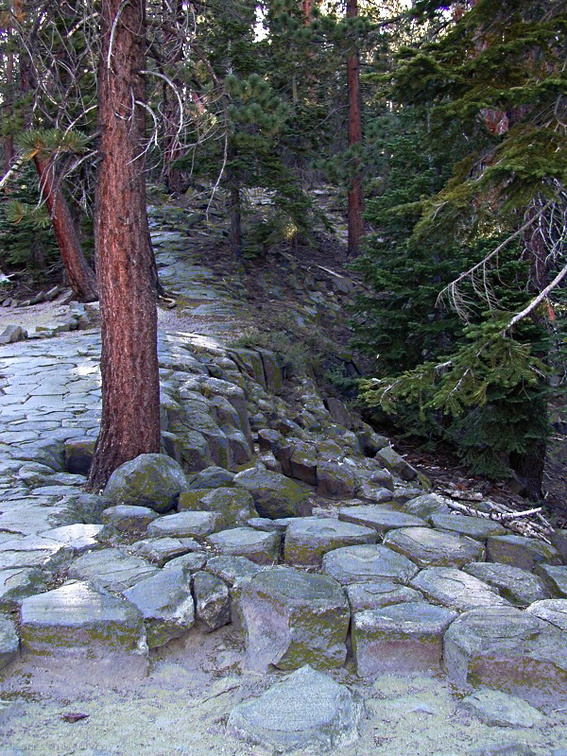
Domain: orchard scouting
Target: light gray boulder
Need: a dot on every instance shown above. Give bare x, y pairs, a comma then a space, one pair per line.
75, 617
293, 618
455, 589
149, 480
212, 601
367, 564
306, 710
211, 477
160, 551
555, 578
111, 569
18, 582
399, 639
79, 537
396, 464
336, 479
259, 546
553, 611
232, 506
425, 505
182, 525
274, 495
518, 586
428, 547
510, 650
473, 527
165, 602
190, 563
34, 551
307, 539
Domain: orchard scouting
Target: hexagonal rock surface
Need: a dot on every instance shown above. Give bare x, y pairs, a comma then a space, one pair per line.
381, 593
9, 641
70, 619
521, 588
149, 480
274, 494
183, 524
400, 638
308, 709
292, 618
166, 604
434, 548
474, 527
111, 569
551, 610
127, 518
368, 563
520, 552
308, 538
455, 589
510, 650
232, 506
160, 551
381, 518
212, 601
257, 545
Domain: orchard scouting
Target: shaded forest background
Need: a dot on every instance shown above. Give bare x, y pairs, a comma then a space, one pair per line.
438, 127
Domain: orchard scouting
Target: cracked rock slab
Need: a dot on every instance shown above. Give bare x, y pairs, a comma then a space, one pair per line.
455, 589
367, 563
111, 569
307, 539
498, 709
428, 547
308, 709
518, 586
380, 518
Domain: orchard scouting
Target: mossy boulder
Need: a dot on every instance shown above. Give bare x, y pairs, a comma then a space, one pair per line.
150, 480
274, 495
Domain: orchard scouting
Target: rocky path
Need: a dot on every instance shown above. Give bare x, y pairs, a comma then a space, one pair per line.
437, 633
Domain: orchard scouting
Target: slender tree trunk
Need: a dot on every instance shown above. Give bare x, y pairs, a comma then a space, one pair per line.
130, 423
355, 194
81, 276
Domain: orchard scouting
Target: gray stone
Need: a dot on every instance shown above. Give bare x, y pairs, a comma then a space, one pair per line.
34, 551
150, 480
190, 563
520, 552
498, 709
127, 518
211, 477
307, 539
363, 596
426, 505
292, 618
79, 537
367, 564
45, 451
303, 462
9, 641
336, 479
379, 517
18, 582
233, 569
160, 551
474, 527
551, 610
395, 463
183, 524
12, 333
212, 601
399, 639
258, 546
232, 506
510, 650
166, 604
455, 589
555, 577
428, 547
111, 569
308, 709
376, 493
274, 494
76, 617
521, 588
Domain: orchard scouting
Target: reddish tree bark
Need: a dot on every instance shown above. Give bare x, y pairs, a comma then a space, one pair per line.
130, 423
355, 193
81, 276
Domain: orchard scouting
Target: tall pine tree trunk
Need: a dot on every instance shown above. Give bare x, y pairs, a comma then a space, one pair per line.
130, 423
81, 277
355, 194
